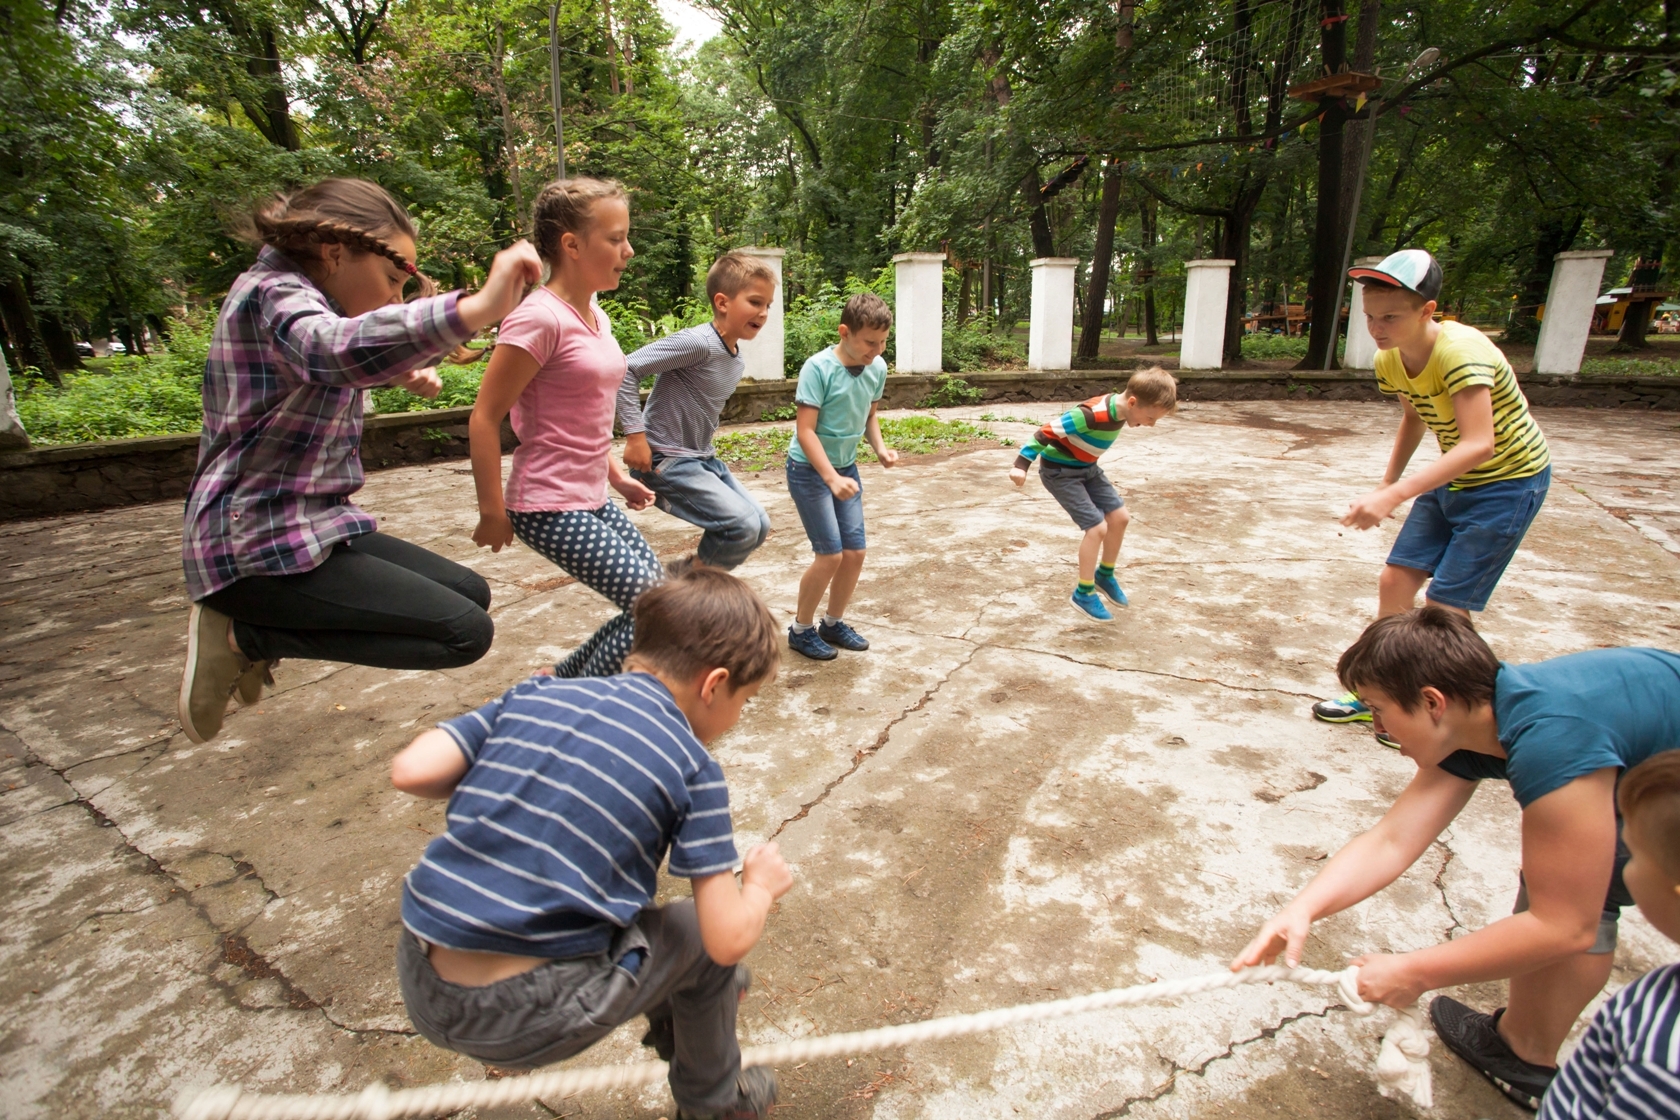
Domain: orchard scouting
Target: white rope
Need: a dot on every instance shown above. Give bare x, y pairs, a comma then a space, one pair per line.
1401, 1067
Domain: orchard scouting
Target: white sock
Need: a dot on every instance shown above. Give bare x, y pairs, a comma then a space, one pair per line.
800, 627
829, 620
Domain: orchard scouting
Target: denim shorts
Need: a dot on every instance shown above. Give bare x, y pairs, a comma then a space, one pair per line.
1465, 538
833, 525
1085, 492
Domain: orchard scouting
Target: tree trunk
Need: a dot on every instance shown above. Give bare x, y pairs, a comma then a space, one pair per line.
965, 294
1102, 259
1043, 244
1327, 247
22, 325
1553, 236
1234, 246
276, 111
1353, 141
61, 343
1144, 275
131, 330
508, 133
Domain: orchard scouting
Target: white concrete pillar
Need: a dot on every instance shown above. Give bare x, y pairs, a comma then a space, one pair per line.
1206, 288
12, 435
1361, 352
1569, 310
1050, 331
919, 318
763, 356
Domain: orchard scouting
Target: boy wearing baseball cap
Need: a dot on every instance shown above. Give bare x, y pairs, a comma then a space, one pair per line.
1472, 506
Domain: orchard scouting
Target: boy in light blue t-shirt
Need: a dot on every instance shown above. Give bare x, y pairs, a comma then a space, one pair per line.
836, 398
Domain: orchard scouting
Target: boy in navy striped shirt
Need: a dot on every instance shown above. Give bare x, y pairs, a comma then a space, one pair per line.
531, 931
1628, 1063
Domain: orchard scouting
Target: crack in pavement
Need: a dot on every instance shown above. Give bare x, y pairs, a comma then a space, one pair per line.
1441, 886
865, 753
1171, 1083
1160, 673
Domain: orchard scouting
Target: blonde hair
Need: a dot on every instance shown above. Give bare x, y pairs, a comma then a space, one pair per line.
351, 212
1154, 388
568, 206
866, 311
734, 271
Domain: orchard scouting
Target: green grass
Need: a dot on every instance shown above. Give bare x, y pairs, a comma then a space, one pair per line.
1631, 367
758, 448
1268, 346
994, 418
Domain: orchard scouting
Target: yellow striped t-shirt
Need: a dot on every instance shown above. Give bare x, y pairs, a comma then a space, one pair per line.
1463, 358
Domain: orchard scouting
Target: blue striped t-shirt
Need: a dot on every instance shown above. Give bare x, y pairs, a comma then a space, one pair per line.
574, 791
1628, 1063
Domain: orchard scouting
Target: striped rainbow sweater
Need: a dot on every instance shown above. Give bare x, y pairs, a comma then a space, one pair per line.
1079, 436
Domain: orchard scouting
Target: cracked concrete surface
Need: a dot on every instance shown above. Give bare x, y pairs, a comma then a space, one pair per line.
998, 803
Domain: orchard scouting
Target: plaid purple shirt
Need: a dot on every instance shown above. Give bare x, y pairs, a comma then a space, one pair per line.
280, 454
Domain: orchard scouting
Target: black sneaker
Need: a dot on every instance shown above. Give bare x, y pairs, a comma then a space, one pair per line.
755, 1092
1474, 1037
841, 636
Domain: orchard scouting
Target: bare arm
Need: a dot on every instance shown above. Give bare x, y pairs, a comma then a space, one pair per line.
1569, 847
732, 918
431, 766
872, 433
805, 431
510, 370
1370, 862
1406, 441
1473, 408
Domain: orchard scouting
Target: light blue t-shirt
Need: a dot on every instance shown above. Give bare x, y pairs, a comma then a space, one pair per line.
842, 399
1570, 716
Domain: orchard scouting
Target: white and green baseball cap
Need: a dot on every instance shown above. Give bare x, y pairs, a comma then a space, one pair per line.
1411, 269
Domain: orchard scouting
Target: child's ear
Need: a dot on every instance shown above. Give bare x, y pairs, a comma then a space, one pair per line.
711, 682
720, 304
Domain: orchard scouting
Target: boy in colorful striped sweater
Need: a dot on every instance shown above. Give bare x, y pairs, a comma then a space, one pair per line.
1068, 449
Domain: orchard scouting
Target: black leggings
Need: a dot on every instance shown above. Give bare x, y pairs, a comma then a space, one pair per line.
375, 600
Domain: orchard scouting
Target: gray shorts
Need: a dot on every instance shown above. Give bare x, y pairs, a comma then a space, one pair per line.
1609, 919
1085, 492
656, 967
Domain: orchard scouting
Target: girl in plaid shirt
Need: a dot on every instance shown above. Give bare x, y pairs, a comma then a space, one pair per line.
278, 561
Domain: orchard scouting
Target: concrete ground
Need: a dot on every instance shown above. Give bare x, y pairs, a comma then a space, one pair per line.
999, 803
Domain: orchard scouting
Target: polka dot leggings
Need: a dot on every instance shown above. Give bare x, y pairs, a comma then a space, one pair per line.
600, 548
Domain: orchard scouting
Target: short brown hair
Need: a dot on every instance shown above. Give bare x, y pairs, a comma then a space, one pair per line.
734, 271
1431, 647
1650, 795
866, 311
1154, 388
568, 206
699, 619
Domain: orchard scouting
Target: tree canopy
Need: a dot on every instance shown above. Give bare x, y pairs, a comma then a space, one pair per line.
1131, 134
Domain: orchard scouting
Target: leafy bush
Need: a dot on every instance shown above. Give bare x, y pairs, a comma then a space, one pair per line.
460, 389
812, 320
1266, 346
129, 396
951, 391
634, 326
785, 412
977, 345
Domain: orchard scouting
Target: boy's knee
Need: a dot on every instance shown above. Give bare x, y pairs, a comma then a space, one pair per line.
1118, 517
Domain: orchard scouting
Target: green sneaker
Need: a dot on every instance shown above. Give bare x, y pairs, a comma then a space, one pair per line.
1346, 708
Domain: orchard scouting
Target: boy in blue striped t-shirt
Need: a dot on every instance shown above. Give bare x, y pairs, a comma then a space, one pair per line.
1628, 1063
531, 931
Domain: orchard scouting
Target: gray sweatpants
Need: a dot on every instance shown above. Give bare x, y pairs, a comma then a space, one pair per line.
564, 1006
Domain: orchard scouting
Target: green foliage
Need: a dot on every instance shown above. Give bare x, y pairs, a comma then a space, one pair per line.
757, 448
994, 418
1268, 346
754, 448
784, 412
812, 321
460, 390
977, 345
950, 392
1653, 366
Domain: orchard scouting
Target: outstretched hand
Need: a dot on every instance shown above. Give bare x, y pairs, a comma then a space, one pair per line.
1286, 933
421, 382
514, 270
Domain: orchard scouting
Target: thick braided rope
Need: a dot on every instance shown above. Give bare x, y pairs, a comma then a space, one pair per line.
377, 1102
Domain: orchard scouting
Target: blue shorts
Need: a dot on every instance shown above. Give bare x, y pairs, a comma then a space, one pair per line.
833, 526
1465, 538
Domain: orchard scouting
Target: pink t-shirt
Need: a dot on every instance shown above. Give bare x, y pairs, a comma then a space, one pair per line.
564, 417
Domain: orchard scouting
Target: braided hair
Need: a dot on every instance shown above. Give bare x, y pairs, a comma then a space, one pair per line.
350, 212
567, 206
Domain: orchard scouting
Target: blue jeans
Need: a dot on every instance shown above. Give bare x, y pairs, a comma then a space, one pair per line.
833, 525
703, 493
1465, 538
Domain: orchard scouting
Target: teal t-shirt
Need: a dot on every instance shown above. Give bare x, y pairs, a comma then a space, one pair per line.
1567, 717
842, 399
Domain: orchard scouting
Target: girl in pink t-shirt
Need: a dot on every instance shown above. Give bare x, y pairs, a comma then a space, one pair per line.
557, 367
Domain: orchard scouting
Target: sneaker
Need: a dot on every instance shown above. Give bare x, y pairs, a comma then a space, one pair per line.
210, 676
1386, 739
1110, 587
842, 636
1346, 708
1091, 605
810, 643
1474, 1037
755, 1092
250, 686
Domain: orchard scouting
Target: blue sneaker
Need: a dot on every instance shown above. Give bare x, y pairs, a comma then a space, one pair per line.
1092, 605
1346, 708
810, 643
842, 636
1110, 587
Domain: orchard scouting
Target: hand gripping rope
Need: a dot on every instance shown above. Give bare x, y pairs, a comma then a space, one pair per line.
1402, 1064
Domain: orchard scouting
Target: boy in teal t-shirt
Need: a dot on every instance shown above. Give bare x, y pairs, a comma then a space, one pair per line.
836, 398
